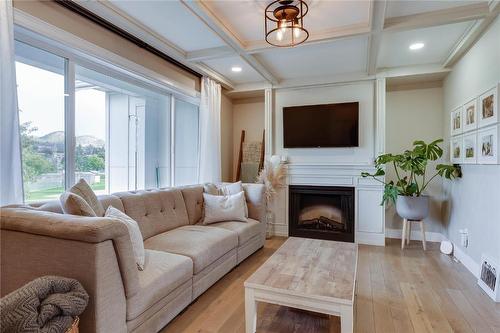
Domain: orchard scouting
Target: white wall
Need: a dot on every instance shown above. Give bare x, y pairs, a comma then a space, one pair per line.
248, 115
362, 92
415, 115
226, 138
474, 200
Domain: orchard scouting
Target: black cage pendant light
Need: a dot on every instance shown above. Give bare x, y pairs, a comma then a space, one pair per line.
284, 21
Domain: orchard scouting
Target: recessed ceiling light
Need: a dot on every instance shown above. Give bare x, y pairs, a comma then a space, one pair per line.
236, 69
416, 46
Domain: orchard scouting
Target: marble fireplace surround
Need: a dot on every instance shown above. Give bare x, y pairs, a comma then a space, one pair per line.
369, 216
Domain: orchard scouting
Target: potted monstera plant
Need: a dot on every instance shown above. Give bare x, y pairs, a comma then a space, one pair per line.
410, 167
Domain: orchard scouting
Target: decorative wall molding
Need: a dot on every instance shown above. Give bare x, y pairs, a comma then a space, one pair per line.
268, 121
416, 234
380, 95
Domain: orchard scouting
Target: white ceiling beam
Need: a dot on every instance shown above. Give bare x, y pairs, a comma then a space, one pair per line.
257, 46
472, 35
224, 81
377, 18
204, 14
438, 17
246, 87
116, 16
211, 53
412, 70
304, 82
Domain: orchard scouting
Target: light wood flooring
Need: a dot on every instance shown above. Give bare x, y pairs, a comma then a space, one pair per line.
398, 291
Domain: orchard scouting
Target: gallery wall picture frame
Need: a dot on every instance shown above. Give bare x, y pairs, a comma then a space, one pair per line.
487, 145
469, 116
456, 147
469, 148
456, 121
488, 107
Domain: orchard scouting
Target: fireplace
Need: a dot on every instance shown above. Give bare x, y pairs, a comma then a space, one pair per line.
321, 212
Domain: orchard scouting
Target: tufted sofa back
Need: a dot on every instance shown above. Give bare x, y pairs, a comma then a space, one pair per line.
160, 210
155, 211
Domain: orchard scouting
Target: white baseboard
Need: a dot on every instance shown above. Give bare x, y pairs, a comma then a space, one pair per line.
415, 234
466, 260
370, 238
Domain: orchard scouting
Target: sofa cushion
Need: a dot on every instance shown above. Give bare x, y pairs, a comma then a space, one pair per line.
193, 197
163, 272
202, 244
245, 231
155, 211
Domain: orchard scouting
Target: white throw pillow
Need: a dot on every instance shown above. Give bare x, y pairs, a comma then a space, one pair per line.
134, 231
226, 189
220, 208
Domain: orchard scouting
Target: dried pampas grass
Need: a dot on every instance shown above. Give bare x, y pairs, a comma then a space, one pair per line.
273, 177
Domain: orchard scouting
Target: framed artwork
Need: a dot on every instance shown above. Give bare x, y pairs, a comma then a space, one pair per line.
487, 145
456, 146
456, 121
469, 148
469, 117
488, 107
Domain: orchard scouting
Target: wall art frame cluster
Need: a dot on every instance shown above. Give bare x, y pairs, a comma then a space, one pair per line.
475, 130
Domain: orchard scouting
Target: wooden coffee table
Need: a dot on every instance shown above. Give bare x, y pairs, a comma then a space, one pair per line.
308, 274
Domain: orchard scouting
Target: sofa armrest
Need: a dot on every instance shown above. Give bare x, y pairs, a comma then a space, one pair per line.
76, 228
256, 201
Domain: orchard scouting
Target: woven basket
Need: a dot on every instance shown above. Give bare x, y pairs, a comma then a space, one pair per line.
74, 327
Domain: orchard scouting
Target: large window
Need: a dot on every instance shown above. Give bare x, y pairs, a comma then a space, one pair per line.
186, 142
116, 132
41, 90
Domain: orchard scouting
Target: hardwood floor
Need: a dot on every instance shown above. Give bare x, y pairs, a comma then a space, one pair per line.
398, 291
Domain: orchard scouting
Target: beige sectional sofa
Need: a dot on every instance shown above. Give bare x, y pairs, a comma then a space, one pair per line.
183, 257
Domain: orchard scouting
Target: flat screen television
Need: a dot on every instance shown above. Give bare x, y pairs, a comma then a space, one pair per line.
321, 126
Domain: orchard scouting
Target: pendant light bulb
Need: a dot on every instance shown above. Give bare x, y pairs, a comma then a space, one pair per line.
279, 35
296, 32
283, 26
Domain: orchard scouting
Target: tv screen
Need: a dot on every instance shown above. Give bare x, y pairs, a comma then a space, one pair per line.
319, 126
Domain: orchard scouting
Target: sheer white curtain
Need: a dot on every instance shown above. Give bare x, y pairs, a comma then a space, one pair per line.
210, 110
11, 181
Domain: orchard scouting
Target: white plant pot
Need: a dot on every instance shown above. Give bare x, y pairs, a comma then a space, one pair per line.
412, 208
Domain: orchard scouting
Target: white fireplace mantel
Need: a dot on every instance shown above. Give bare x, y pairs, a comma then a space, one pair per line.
369, 215
333, 167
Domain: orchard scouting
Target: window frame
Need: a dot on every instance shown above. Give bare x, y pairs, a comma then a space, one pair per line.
75, 57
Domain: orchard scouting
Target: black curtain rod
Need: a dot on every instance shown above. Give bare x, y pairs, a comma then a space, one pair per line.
76, 8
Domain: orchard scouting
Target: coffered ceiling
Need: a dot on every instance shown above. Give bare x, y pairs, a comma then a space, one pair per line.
356, 38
